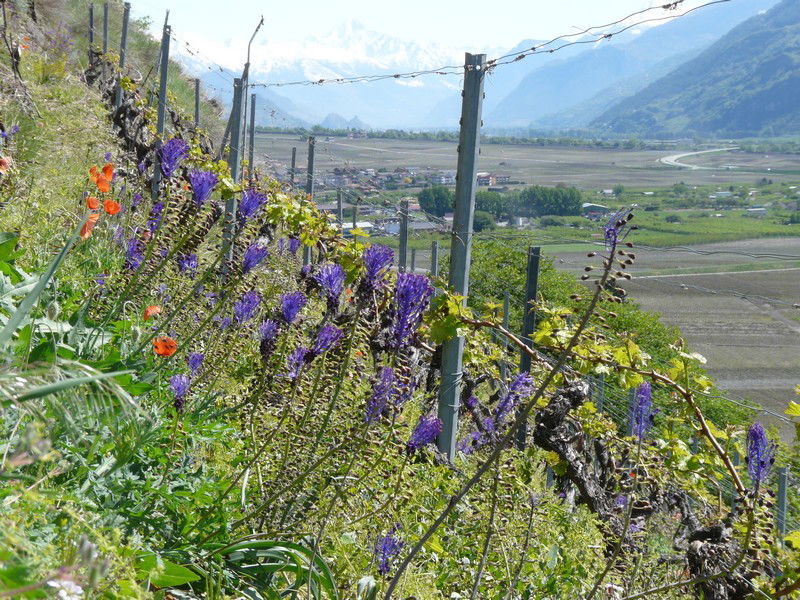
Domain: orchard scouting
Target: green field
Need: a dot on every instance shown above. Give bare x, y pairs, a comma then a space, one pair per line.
589, 169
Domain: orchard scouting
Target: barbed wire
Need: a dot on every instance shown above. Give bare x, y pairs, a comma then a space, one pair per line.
541, 49
505, 59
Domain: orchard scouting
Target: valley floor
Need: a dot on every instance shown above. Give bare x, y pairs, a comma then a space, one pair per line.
741, 312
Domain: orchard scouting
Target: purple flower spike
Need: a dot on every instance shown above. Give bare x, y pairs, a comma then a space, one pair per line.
195, 361
246, 308
134, 255
172, 154
412, 294
386, 550
331, 280
188, 264
520, 388
268, 333
377, 260
254, 254
251, 201
642, 414
382, 390
296, 361
180, 386
760, 454
203, 183
154, 220
291, 305
328, 337
294, 245
142, 166
426, 432
225, 323
107, 157
616, 229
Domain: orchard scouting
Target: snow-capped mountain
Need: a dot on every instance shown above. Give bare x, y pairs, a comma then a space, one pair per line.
348, 50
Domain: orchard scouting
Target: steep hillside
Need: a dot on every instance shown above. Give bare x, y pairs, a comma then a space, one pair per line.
746, 84
565, 83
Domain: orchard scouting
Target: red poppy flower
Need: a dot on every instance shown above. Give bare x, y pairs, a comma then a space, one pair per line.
91, 221
92, 203
108, 171
165, 346
111, 207
151, 311
103, 183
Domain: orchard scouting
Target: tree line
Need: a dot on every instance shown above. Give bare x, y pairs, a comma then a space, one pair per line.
533, 201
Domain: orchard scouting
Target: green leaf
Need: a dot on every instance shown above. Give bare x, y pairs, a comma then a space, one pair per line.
28, 302
60, 386
8, 241
162, 572
794, 538
794, 409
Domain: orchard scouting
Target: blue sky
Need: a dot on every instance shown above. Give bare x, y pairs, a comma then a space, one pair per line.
461, 26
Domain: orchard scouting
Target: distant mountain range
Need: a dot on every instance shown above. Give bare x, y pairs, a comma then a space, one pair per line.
746, 84
677, 78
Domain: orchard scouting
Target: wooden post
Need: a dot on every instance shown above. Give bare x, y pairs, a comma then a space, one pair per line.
294, 164
783, 487
105, 27
413, 260
310, 174
339, 210
403, 259
91, 29
234, 163
529, 323
251, 149
306, 255
162, 108
196, 103
461, 243
123, 46
355, 214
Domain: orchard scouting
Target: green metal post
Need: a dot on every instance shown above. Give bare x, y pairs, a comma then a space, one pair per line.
105, 27
403, 259
251, 149
310, 174
783, 487
123, 46
196, 103
461, 243
529, 322
234, 163
91, 29
162, 108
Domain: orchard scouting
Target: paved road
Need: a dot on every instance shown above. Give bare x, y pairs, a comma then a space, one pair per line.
674, 160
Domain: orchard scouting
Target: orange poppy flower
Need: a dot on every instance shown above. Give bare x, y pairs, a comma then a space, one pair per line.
165, 346
92, 203
5, 164
103, 183
111, 207
108, 171
93, 172
151, 311
91, 221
